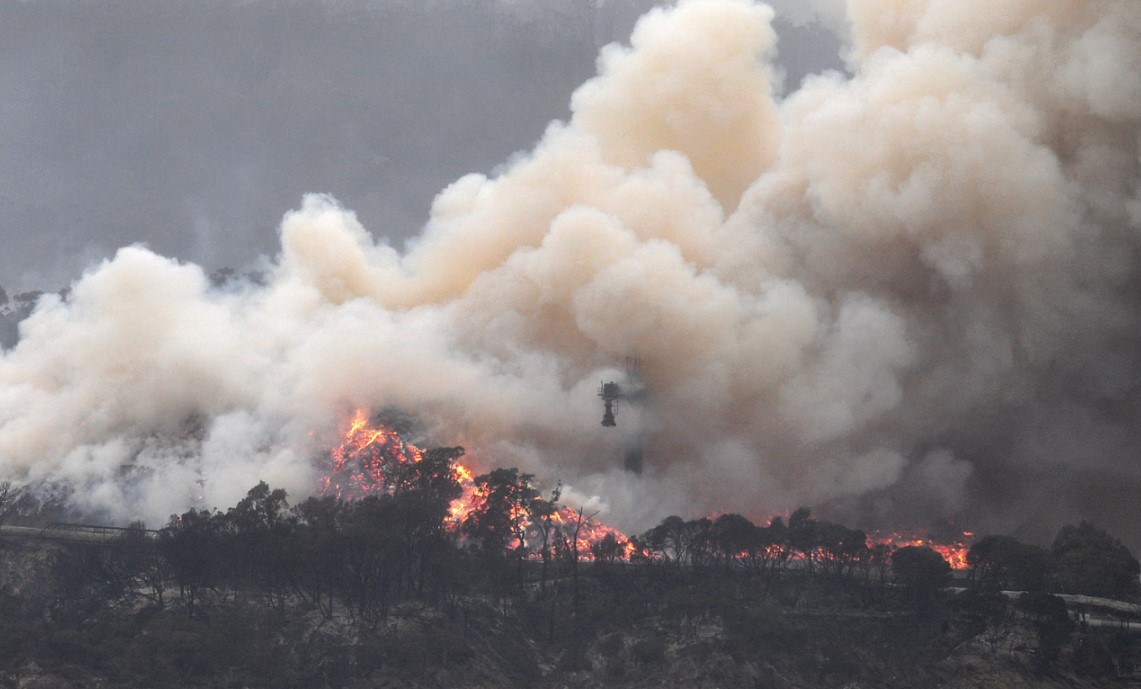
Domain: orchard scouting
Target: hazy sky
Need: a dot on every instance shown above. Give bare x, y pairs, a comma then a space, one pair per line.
194, 126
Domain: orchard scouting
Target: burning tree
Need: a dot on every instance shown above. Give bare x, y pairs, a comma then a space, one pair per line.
501, 513
501, 510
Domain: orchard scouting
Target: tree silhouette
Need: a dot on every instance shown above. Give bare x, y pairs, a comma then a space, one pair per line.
190, 544
921, 571
1091, 561
1003, 562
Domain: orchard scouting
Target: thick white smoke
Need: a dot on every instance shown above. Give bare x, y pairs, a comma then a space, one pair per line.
900, 295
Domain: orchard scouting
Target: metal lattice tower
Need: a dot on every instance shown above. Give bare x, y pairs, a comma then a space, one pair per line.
631, 389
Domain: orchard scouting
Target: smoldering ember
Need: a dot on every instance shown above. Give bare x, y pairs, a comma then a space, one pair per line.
759, 367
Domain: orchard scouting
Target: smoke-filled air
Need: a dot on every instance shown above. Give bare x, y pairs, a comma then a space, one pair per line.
906, 294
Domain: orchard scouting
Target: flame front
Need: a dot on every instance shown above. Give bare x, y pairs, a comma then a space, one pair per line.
363, 463
954, 550
367, 460
586, 535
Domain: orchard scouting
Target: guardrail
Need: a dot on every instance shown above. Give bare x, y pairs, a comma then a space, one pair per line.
100, 529
78, 533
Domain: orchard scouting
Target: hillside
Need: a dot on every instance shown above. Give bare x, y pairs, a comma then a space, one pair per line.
216, 601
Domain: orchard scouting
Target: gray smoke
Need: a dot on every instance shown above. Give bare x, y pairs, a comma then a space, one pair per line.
903, 294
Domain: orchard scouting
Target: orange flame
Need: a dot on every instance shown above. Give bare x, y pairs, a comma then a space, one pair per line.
954, 550
364, 462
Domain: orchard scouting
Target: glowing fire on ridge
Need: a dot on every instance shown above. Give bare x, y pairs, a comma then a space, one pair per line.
953, 551
362, 464
366, 460
365, 463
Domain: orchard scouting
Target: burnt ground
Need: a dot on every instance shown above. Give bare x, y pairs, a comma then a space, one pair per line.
627, 627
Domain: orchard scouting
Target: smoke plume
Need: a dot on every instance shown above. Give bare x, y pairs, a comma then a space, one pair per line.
905, 294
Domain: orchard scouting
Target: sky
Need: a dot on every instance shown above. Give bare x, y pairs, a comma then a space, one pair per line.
192, 127
877, 258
